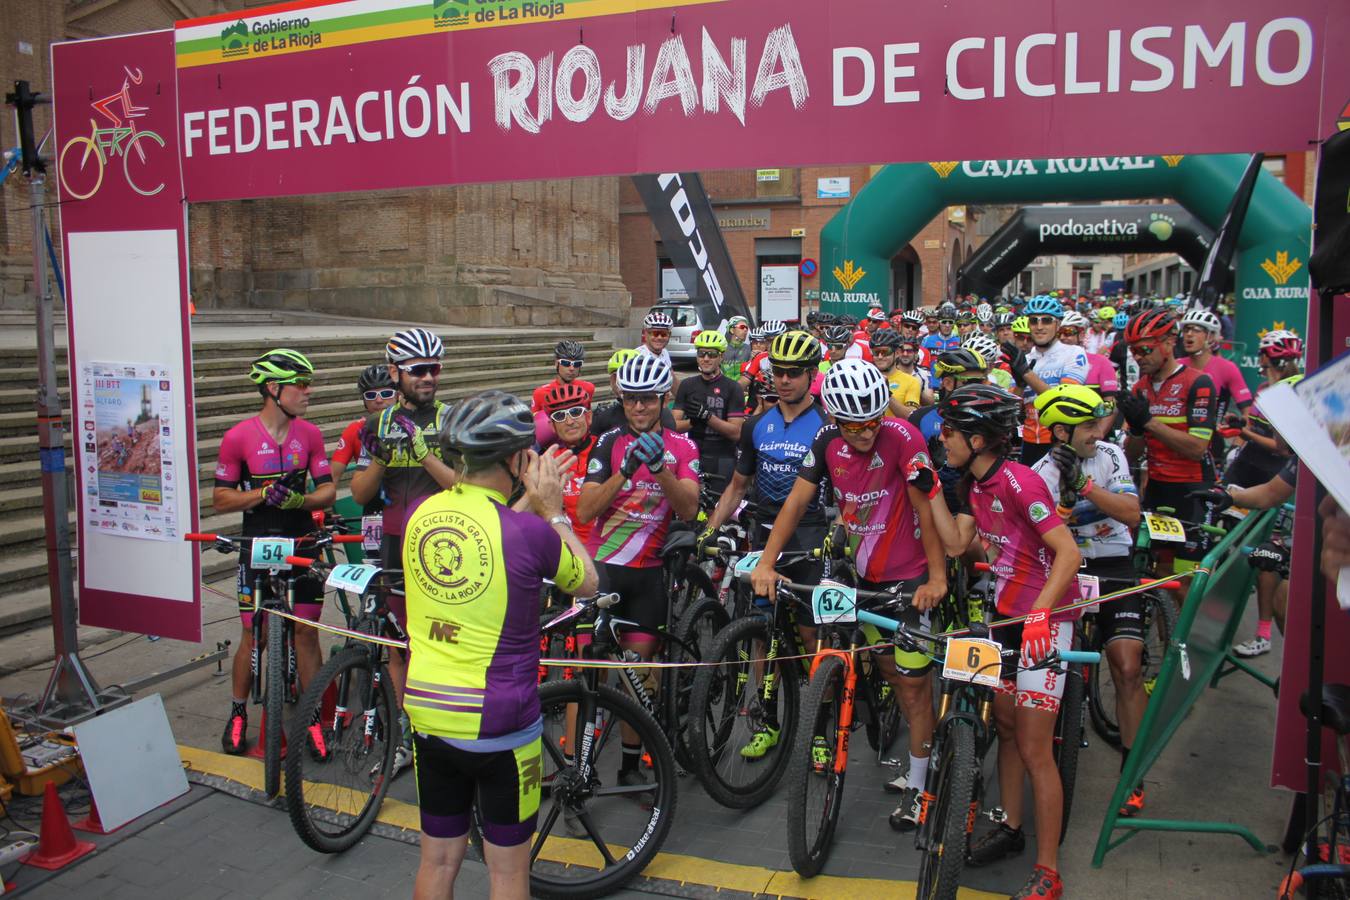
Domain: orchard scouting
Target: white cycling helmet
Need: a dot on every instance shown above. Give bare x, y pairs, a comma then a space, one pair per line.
1074, 319
658, 320
983, 314
855, 391
415, 343
773, 328
984, 345
1203, 318
644, 374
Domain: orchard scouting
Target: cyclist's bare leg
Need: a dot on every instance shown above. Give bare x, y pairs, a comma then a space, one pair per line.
438, 866
1268, 584
1125, 657
645, 647
1011, 772
1035, 744
241, 671
807, 633
508, 870
1281, 603
916, 699
398, 672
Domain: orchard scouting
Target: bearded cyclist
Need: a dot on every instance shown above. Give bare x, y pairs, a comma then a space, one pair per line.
261, 472
609, 415
711, 409
906, 388
874, 464
1009, 506
404, 443
639, 476
737, 353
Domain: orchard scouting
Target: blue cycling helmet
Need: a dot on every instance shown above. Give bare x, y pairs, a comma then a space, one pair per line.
1120, 321
1042, 305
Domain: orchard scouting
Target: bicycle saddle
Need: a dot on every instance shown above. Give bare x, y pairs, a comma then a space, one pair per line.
1335, 707
677, 540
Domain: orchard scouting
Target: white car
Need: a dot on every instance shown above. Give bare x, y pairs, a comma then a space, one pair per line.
687, 327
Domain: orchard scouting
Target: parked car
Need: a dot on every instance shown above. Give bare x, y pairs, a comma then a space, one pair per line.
687, 327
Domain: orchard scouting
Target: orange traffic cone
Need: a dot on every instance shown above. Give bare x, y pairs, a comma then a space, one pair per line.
92, 823
258, 750
57, 847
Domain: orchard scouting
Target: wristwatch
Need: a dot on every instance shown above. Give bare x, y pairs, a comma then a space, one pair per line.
561, 520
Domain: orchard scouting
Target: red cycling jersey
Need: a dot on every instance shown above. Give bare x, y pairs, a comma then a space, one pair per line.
1185, 400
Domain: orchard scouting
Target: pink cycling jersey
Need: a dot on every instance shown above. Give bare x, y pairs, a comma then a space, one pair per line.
1013, 511
1228, 381
632, 530
251, 458
1102, 374
871, 490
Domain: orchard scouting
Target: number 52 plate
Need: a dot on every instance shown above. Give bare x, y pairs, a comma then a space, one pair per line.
834, 602
1164, 528
973, 659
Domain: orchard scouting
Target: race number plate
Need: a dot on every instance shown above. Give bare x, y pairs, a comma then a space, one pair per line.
834, 602
1164, 528
973, 659
1090, 589
351, 577
746, 564
271, 553
372, 532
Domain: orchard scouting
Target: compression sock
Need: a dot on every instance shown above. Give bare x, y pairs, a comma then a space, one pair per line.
918, 771
632, 755
1263, 629
238, 707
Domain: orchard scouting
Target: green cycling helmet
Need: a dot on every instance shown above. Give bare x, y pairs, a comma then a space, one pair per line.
619, 358
710, 340
281, 366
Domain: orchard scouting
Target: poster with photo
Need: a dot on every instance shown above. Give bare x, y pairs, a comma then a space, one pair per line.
126, 439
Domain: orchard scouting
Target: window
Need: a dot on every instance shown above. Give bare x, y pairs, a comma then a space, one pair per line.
682, 316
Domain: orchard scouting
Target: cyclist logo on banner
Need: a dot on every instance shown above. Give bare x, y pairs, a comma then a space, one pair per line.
125, 446
84, 158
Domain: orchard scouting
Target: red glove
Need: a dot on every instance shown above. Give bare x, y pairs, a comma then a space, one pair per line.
1036, 637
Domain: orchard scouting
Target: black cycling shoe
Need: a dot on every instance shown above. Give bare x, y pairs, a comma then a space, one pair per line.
998, 844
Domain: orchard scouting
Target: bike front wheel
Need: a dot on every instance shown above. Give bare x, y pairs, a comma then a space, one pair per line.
944, 834
274, 700
1069, 739
594, 834
815, 772
336, 783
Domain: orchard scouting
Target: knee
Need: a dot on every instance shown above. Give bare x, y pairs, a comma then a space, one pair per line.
915, 692
1126, 668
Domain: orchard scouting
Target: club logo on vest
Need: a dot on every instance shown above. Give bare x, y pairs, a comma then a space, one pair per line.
455, 562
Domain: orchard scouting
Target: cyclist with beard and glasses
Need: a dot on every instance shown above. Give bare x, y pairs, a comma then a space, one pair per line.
906, 388
404, 444
711, 409
1054, 362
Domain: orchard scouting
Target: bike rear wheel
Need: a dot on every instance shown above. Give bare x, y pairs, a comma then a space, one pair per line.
333, 798
730, 703
883, 710
274, 700
697, 631
1069, 739
946, 830
620, 828
815, 797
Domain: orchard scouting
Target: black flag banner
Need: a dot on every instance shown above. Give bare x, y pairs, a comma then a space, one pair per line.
683, 215
1214, 277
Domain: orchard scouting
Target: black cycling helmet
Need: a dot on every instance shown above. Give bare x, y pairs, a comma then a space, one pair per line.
812, 318
487, 428
373, 378
885, 337
568, 349
838, 334
984, 409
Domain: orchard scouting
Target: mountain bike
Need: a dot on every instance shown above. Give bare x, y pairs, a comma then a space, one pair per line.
335, 789
583, 723
275, 684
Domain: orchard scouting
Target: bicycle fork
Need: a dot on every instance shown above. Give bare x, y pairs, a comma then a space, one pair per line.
846, 707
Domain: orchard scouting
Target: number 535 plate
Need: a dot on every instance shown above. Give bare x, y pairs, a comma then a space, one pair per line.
973, 659
1164, 528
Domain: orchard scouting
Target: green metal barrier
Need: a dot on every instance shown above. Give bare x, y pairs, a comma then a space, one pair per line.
1209, 619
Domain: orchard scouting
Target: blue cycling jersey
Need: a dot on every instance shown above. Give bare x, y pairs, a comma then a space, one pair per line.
771, 450
939, 344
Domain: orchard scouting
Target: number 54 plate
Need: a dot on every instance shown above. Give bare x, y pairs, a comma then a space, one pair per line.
973, 659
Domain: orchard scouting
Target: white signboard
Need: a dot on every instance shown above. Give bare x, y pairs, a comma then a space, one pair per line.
672, 288
834, 188
779, 292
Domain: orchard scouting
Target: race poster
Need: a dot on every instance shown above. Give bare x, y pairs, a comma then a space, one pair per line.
126, 450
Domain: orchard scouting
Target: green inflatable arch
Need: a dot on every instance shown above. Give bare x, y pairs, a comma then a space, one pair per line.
857, 245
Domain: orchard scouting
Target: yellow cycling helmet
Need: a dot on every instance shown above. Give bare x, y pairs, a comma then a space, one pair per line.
1021, 325
710, 340
1070, 404
794, 348
619, 358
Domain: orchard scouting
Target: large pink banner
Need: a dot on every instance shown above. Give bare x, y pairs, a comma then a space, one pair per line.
363, 94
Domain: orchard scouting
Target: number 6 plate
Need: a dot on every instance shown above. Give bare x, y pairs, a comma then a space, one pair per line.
271, 553
1164, 528
834, 602
973, 659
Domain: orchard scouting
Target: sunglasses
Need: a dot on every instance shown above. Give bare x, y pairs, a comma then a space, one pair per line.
789, 371
641, 399
860, 427
422, 370
1142, 349
381, 394
769, 398
839, 346
709, 354
562, 415
882, 351
658, 332
301, 383
1071, 332
1042, 320
570, 363
741, 326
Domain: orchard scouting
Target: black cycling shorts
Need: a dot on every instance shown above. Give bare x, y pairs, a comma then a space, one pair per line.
1174, 494
505, 783
1121, 619
803, 571
914, 663
391, 560
308, 591
642, 594
715, 470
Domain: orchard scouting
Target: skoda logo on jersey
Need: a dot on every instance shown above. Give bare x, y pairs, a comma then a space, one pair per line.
455, 561
1038, 512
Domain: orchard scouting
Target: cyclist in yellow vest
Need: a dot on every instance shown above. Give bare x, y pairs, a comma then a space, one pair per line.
473, 569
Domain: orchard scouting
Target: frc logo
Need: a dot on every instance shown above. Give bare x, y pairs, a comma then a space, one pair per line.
848, 276
83, 159
1282, 269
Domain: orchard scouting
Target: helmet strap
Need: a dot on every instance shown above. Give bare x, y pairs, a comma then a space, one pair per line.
276, 398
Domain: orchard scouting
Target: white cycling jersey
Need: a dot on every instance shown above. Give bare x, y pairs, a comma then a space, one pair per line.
1098, 535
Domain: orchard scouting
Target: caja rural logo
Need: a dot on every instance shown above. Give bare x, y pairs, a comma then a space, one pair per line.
81, 172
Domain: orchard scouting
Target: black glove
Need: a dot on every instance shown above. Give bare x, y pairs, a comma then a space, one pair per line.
1017, 360
1234, 420
836, 543
1272, 556
697, 410
1135, 409
707, 539
632, 461
1215, 496
1071, 474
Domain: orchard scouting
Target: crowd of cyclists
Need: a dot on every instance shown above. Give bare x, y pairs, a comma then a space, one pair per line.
1030, 433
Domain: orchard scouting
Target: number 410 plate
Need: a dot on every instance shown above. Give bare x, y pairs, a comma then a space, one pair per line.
973, 659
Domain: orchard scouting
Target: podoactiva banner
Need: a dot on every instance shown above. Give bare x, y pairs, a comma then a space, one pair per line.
310, 97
